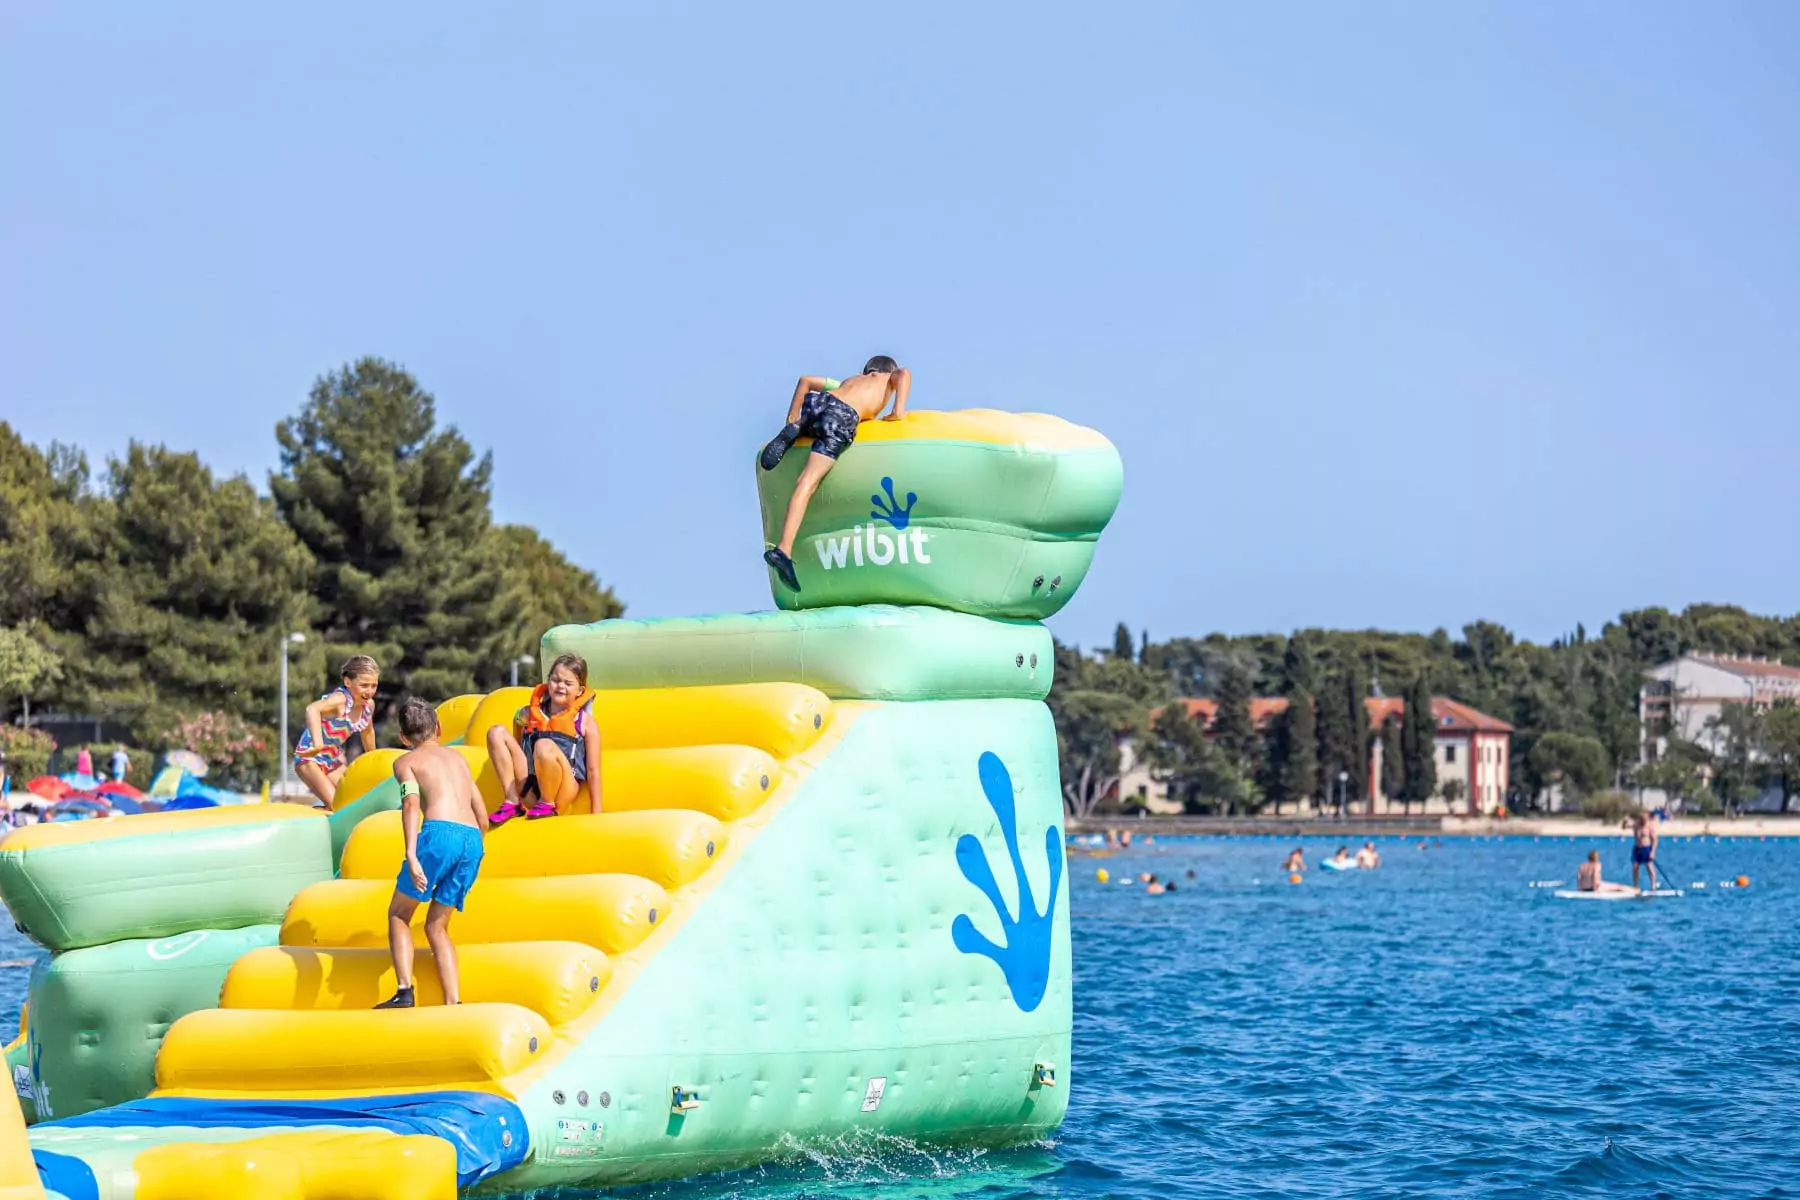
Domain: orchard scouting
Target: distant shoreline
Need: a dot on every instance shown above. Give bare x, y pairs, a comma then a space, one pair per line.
1433, 827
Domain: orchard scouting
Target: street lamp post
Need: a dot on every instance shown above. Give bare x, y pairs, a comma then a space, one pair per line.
1343, 792
292, 639
524, 660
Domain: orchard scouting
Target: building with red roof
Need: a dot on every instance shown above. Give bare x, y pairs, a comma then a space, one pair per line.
1472, 748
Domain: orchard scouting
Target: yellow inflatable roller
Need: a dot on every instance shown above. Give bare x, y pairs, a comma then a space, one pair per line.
669, 847
779, 718
369, 771
727, 782
221, 1051
611, 913
453, 715
18, 1177
555, 980
197, 1170
367, 1164
376, 768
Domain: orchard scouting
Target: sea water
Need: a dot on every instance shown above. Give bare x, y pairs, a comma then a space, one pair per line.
1434, 1028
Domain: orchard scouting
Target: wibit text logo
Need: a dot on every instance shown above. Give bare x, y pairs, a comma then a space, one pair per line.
869, 545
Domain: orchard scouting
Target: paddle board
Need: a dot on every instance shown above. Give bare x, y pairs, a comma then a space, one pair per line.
1616, 895
1348, 864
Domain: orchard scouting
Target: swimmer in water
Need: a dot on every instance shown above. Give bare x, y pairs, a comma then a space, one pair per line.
1368, 858
1154, 888
1342, 855
1295, 861
1587, 879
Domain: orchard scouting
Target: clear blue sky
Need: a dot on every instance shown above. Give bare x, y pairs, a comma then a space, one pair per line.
1401, 314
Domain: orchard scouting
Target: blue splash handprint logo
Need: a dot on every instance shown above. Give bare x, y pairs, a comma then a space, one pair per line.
1025, 958
887, 508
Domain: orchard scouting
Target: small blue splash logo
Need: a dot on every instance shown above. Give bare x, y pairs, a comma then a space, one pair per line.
1025, 958
887, 508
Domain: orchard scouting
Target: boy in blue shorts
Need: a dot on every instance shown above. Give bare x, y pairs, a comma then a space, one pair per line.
443, 819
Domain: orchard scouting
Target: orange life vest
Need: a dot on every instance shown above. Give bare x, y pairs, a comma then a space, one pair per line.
567, 728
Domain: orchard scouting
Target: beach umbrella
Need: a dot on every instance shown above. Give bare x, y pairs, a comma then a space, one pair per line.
183, 803
125, 806
79, 781
115, 788
49, 787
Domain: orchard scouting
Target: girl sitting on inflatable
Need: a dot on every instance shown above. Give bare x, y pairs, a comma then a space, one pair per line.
331, 721
551, 755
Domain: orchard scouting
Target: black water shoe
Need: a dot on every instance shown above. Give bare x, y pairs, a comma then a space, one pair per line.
784, 567
402, 998
773, 453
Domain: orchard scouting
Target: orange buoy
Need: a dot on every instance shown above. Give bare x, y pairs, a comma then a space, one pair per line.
1743, 881
1294, 878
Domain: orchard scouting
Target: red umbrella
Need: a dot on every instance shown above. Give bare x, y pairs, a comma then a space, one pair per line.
119, 789
48, 786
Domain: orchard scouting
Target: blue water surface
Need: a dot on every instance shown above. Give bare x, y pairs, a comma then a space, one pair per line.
1436, 1028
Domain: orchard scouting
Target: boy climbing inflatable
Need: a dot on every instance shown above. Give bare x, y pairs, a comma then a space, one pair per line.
828, 411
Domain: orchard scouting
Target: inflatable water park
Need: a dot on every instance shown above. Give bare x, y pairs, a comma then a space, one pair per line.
824, 898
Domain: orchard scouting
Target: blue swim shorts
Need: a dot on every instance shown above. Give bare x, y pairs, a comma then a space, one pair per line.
1640, 854
450, 855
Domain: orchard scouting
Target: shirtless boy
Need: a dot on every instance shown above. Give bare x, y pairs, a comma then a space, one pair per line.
1643, 847
443, 849
828, 412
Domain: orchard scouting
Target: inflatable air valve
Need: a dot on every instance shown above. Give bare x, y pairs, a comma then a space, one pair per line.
683, 1100
1044, 1075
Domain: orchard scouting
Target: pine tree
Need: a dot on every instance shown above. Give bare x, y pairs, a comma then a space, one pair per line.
1357, 714
1298, 771
1298, 670
1418, 745
1233, 730
43, 529
543, 589
1337, 744
1123, 648
181, 608
1393, 761
396, 512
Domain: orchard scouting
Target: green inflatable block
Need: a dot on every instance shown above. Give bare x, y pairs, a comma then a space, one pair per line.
867, 652
977, 511
94, 882
98, 1015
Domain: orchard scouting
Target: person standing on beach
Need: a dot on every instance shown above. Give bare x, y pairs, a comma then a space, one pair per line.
1643, 847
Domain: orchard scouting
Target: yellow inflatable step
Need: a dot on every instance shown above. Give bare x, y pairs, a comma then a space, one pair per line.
205, 1171
611, 913
453, 715
326, 1164
370, 770
556, 980
671, 847
18, 1177
727, 782
225, 1051
779, 718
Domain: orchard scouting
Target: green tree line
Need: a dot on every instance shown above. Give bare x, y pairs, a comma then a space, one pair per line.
157, 591
1572, 704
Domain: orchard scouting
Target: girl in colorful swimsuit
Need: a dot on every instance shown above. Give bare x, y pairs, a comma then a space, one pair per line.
550, 758
331, 721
